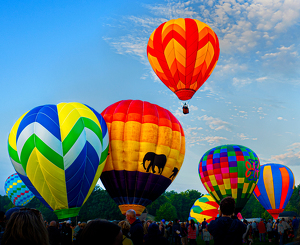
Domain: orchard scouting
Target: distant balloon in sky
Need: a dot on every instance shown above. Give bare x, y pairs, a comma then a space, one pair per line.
59, 152
274, 188
17, 191
183, 54
230, 170
146, 151
205, 207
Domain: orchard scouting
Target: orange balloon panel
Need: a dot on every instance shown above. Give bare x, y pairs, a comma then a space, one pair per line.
183, 54
146, 151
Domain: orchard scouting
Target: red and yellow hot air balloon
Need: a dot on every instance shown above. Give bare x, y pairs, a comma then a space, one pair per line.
183, 54
146, 151
205, 207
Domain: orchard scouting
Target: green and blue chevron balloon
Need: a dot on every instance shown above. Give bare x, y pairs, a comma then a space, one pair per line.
17, 191
59, 152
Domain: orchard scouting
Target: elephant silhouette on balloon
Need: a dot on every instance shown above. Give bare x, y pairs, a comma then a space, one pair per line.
154, 160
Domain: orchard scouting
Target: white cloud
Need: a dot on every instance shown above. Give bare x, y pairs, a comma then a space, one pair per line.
213, 139
279, 118
131, 45
283, 51
260, 79
291, 157
240, 82
242, 136
215, 123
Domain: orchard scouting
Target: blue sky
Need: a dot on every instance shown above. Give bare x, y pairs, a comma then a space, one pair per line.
94, 52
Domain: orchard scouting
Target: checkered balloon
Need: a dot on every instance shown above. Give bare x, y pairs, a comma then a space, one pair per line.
230, 170
17, 191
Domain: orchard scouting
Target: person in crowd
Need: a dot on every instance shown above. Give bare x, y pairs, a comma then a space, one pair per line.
280, 228
176, 232
136, 229
262, 230
295, 224
254, 228
146, 226
247, 232
269, 230
296, 239
82, 225
162, 227
286, 230
25, 227
75, 231
226, 230
206, 236
154, 236
203, 226
275, 230
54, 234
169, 232
192, 233
101, 232
125, 227
184, 234
66, 233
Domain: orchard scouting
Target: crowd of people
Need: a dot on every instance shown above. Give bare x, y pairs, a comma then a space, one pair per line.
22, 226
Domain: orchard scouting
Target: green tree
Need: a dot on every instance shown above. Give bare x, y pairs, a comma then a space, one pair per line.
100, 205
167, 211
153, 207
293, 204
183, 202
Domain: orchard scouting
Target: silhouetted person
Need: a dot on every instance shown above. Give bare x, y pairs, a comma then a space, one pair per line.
101, 232
66, 233
25, 227
154, 236
226, 230
54, 234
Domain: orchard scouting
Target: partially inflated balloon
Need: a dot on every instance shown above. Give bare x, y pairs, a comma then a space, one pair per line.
59, 151
205, 207
230, 170
274, 188
146, 151
17, 191
183, 54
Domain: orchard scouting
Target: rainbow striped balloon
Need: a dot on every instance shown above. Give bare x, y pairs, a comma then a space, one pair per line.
205, 207
230, 170
17, 191
274, 188
59, 151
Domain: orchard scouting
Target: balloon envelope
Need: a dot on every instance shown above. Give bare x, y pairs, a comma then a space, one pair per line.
146, 151
230, 170
59, 152
17, 191
183, 54
274, 188
204, 208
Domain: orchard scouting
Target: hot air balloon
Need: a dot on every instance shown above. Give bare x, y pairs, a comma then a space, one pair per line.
183, 54
17, 191
146, 151
230, 170
274, 188
204, 208
59, 152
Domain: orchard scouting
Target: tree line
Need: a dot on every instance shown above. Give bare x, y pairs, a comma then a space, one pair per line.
169, 206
